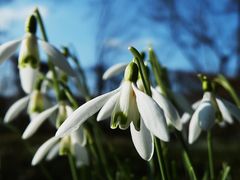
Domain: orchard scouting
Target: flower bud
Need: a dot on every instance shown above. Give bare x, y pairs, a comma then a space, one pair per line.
31, 24
206, 83
131, 72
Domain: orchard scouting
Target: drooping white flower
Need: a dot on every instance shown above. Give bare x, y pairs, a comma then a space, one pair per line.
36, 103
205, 113
62, 113
74, 144
127, 106
29, 60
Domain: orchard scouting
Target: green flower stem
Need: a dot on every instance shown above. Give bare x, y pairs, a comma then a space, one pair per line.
50, 65
186, 157
73, 167
160, 156
142, 69
146, 83
210, 155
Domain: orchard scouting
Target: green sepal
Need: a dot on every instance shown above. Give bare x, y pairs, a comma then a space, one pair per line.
131, 72
65, 146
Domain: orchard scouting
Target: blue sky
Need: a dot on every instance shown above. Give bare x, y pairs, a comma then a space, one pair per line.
75, 23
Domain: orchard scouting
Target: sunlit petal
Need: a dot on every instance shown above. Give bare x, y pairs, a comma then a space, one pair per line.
37, 122
170, 111
43, 150
81, 114
224, 111
114, 70
28, 76
143, 141
126, 94
185, 118
16, 108
57, 58
108, 107
194, 129
152, 115
234, 110
7, 49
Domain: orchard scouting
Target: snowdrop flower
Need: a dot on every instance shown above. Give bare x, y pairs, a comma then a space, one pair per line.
74, 144
170, 111
62, 113
36, 103
29, 59
207, 111
127, 106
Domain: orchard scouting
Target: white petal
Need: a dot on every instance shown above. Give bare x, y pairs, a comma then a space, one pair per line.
170, 111
185, 118
206, 115
81, 155
194, 129
7, 49
224, 111
57, 58
79, 136
28, 76
33, 115
37, 122
207, 96
152, 115
16, 108
143, 141
69, 110
107, 109
234, 110
53, 152
43, 150
81, 114
196, 104
114, 70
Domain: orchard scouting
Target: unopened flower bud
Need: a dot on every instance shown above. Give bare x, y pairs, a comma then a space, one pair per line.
131, 72
31, 24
